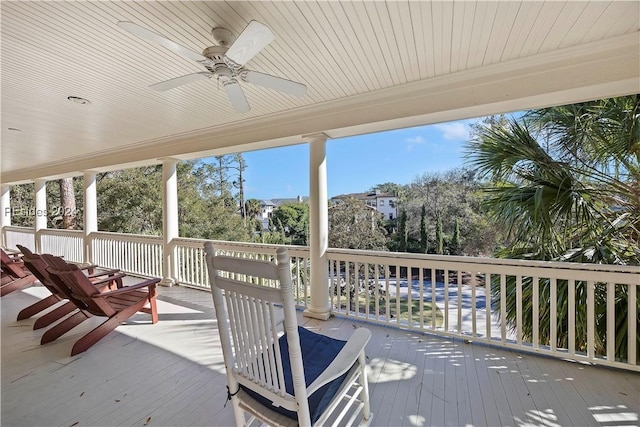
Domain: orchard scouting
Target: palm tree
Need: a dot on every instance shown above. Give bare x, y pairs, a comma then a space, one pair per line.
252, 209
566, 184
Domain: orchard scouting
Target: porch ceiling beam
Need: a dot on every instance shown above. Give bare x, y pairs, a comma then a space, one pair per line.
606, 68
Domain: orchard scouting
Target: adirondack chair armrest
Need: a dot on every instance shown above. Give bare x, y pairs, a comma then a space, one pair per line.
111, 272
151, 284
109, 279
344, 360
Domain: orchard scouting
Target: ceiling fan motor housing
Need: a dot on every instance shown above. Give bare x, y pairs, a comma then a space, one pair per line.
222, 36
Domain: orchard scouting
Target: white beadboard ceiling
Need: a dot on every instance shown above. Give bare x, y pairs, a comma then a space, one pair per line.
368, 66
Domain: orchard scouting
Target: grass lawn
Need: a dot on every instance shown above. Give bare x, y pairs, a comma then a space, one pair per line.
428, 309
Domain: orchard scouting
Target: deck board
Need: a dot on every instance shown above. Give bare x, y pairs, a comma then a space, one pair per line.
173, 373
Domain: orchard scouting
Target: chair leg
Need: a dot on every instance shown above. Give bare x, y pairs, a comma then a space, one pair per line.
16, 284
84, 343
63, 327
364, 394
37, 307
152, 309
54, 315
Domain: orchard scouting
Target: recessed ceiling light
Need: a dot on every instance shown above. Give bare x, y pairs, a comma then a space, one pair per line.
15, 129
78, 100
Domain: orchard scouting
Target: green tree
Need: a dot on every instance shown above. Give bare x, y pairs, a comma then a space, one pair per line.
455, 240
439, 237
252, 210
448, 195
388, 188
424, 231
403, 231
566, 186
292, 219
130, 200
354, 225
201, 212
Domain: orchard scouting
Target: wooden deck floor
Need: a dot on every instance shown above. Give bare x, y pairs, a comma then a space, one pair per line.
172, 374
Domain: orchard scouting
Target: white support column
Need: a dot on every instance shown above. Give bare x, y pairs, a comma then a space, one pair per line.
5, 207
90, 214
40, 189
169, 220
319, 307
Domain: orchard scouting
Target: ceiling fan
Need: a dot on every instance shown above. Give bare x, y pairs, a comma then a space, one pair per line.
225, 61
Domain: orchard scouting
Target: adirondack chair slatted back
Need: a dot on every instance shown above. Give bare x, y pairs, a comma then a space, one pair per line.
247, 315
38, 266
50, 261
11, 267
78, 286
83, 289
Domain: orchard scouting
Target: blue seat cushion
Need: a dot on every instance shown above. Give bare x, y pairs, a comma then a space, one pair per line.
318, 351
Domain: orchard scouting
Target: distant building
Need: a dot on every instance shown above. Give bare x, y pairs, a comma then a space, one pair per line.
382, 202
268, 206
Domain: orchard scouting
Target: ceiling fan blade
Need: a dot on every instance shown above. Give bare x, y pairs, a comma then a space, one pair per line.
253, 39
273, 82
236, 95
139, 31
179, 81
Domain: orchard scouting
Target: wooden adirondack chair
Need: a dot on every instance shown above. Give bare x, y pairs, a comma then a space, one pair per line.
116, 305
14, 274
38, 266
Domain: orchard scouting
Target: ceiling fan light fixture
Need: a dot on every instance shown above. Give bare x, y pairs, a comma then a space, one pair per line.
78, 100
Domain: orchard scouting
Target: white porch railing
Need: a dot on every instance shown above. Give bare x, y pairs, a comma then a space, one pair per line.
24, 236
131, 253
398, 289
192, 269
66, 243
443, 295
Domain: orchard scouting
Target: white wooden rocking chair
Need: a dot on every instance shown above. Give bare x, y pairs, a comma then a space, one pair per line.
299, 378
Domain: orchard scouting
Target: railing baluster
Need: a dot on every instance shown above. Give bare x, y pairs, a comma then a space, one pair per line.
446, 299
434, 298
591, 319
421, 289
553, 321
398, 297
503, 308
474, 331
367, 291
571, 301
488, 303
347, 286
356, 288
519, 309
611, 321
376, 272
387, 301
459, 286
409, 299
632, 309
536, 308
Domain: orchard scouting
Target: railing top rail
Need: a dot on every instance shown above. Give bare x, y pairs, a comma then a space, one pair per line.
241, 246
124, 236
481, 261
18, 229
59, 231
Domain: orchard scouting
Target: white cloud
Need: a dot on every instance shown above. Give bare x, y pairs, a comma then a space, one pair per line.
411, 141
458, 131
415, 140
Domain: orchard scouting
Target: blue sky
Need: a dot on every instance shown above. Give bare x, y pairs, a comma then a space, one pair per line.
358, 163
